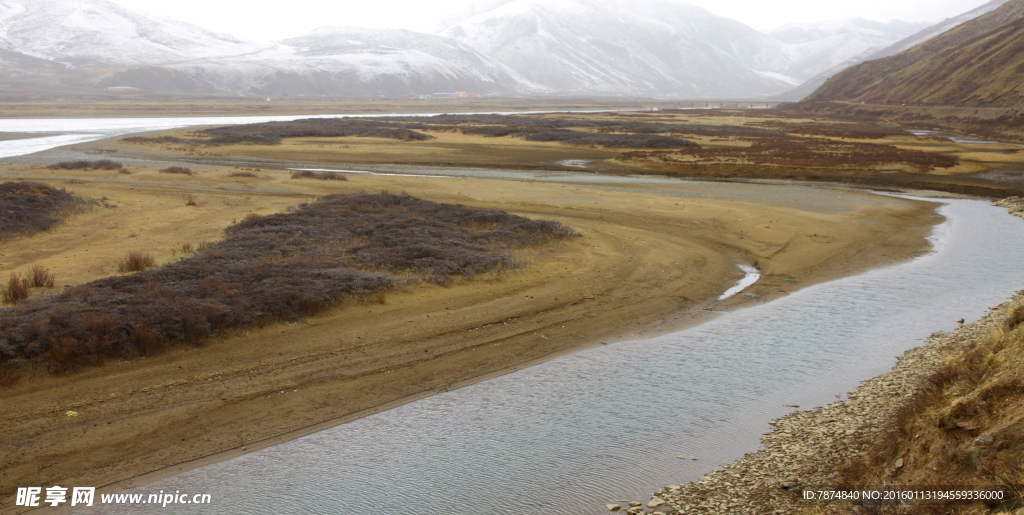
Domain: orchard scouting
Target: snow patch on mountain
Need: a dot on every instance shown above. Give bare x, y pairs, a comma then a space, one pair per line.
816, 47
651, 47
113, 46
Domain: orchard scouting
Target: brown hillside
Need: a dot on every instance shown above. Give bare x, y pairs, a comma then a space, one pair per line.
978, 64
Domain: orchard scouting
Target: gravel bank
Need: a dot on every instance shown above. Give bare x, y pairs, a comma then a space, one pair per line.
805, 448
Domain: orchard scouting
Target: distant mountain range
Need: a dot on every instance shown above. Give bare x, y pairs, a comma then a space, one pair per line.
874, 52
979, 63
652, 47
101, 44
597, 47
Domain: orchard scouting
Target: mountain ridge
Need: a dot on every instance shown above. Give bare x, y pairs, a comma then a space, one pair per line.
979, 63
657, 48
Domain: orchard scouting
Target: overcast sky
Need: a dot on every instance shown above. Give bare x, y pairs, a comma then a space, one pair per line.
276, 19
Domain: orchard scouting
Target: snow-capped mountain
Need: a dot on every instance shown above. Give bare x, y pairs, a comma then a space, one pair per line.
874, 52
815, 47
653, 47
102, 32
405, 58
97, 43
604, 47
929, 32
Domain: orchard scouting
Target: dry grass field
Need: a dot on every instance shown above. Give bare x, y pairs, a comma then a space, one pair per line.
746, 143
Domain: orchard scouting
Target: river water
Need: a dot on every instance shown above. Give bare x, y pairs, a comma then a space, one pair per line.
605, 424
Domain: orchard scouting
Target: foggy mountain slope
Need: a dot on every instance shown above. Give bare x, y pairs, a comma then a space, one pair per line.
816, 47
812, 84
97, 43
979, 63
443, 63
938, 28
102, 32
654, 47
649, 48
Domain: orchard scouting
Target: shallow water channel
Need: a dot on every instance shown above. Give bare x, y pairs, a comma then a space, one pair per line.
605, 424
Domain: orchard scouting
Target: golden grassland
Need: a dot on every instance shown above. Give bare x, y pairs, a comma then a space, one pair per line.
807, 149
647, 262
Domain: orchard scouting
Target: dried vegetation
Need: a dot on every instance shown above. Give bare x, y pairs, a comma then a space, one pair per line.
177, 169
271, 133
269, 268
963, 426
136, 261
17, 287
30, 207
793, 152
323, 176
85, 164
603, 133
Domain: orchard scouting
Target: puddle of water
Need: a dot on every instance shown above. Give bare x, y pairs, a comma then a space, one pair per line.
959, 138
750, 276
575, 163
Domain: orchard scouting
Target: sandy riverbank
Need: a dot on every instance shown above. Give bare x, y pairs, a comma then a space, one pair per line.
806, 449
648, 262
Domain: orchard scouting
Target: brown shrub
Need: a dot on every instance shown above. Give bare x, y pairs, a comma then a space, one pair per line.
40, 277
323, 176
63, 356
84, 164
30, 207
796, 152
177, 169
101, 328
9, 374
269, 268
16, 289
271, 133
136, 261
607, 133
146, 340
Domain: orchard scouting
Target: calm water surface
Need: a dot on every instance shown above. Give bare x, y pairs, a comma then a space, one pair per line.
605, 424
